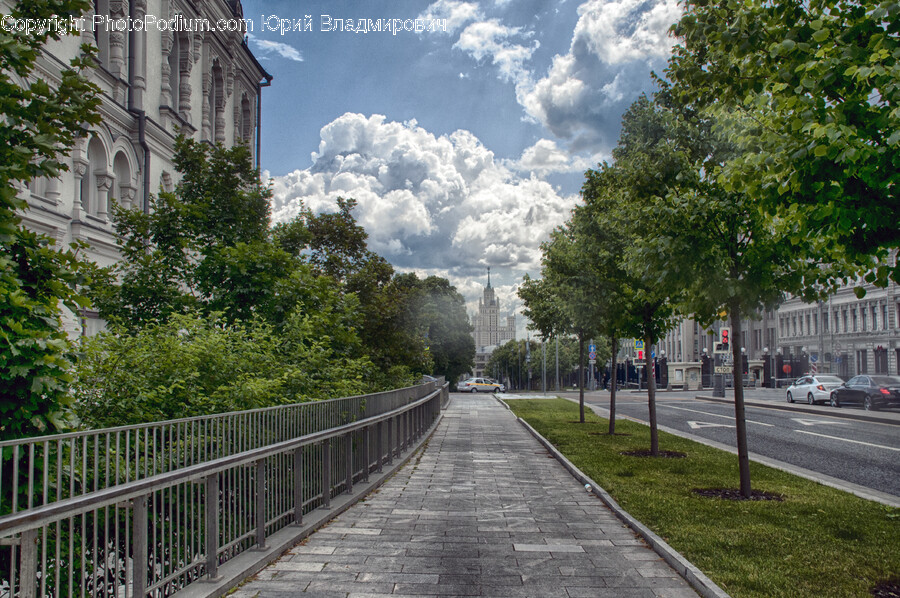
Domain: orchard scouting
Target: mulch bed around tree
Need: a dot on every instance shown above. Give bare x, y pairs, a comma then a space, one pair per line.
887, 589
735, 494
647, 453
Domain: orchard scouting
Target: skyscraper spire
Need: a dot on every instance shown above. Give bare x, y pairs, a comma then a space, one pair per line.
489, 277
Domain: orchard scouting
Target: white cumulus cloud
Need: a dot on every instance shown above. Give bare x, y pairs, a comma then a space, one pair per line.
545, 157
615, 45
491, 39
433, 204
282, 49
456, 13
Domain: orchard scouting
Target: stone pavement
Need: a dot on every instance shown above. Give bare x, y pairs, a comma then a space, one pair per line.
484, 510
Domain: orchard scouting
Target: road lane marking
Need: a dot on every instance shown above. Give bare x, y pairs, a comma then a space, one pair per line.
889, 448
731, 417
697, 425
815, 422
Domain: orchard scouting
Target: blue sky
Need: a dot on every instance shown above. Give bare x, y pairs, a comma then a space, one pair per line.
464, 147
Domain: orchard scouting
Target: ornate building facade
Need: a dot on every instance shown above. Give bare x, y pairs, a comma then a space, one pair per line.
487, 331
487, 327
193, 75
845, 335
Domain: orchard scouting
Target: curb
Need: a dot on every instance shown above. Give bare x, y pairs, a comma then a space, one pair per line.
696, 578
785, 406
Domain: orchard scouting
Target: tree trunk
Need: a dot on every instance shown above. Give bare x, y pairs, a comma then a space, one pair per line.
651, 396
581, 375
739, 415
612, 391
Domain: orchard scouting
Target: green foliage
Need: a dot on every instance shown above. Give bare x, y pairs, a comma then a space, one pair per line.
809, 92
38, 125
194, 365
510, 357
439, 312
204, 247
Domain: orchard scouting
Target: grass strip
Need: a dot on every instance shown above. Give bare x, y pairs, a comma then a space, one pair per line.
818, 541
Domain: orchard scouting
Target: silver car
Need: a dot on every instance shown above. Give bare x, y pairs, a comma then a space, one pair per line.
480, 385
813, 388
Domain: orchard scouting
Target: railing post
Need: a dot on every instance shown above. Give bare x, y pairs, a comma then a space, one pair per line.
367, 452
28, 554
349, 448
212, 526
326, 473
390, 440
139, 546
298, 485
261, 503
379, 443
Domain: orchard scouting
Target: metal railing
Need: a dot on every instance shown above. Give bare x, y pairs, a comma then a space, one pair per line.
145, 510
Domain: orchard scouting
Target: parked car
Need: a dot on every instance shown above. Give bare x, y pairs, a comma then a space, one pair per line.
480, 385
873, 392
813, 389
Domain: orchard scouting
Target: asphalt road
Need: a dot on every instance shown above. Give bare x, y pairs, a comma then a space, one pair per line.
861, 452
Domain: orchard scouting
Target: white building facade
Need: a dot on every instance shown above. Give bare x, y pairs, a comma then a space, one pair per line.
189, 77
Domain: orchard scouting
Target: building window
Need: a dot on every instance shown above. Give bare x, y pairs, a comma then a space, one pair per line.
844, 313
884, 317
874, 317
815, 323
855, 320
862, 315
825, 322
801, 325
881, 361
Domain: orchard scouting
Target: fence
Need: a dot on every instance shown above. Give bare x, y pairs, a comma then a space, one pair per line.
145, 510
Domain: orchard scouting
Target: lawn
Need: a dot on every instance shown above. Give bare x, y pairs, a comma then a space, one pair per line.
817, 541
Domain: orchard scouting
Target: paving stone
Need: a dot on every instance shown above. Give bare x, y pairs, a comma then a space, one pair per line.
482, 511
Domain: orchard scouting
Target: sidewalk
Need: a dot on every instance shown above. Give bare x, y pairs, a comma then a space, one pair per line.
484, 511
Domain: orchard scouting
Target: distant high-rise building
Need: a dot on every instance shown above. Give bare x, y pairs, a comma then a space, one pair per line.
487, 328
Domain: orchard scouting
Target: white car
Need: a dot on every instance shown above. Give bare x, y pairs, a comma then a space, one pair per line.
480, 385
813, 388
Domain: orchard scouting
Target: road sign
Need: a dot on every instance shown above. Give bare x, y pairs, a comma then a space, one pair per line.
592, 355
592, 348
724, 369
639, 345
813, 358
721, 349
813, 369
592, 361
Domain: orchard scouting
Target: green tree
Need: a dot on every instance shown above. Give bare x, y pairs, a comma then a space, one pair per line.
814, 87
38, 125
441, 314
714, 247
204, 246
335, 246
645, 163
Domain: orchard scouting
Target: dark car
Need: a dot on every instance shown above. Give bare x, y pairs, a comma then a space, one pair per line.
872, 392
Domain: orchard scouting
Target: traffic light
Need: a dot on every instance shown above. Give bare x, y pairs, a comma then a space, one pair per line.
725, 334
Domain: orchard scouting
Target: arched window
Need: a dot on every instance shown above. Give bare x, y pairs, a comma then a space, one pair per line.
123, 191
94, 185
